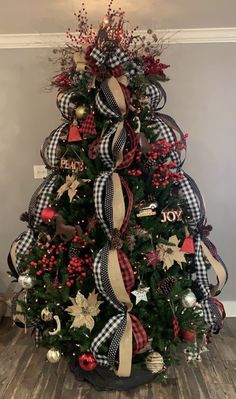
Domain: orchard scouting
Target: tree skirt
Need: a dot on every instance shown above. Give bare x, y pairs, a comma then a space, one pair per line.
104, 379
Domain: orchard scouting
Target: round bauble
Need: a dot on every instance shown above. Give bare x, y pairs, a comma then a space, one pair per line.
53, 355
48, 214
87, 361
154, 362
46, 314
189, 300
81, 112
26, 281
189, 336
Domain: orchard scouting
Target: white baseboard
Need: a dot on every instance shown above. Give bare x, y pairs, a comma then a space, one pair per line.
230, 308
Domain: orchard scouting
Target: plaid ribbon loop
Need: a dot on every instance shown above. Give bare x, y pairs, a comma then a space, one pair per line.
111, 58
196, 206
49, 149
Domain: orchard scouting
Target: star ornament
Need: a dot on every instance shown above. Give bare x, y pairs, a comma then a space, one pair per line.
141, 294
84, 310
170, 253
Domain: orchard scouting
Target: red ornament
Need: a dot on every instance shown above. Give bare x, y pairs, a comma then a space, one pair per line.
87, 362
74, 134
188, 245
188, 335
48, 214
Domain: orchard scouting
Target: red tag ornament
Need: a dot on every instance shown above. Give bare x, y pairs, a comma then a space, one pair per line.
188, 245
74, 134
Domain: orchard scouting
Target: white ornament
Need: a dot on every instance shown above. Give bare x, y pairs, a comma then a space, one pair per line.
141, 294
53, 355
58, 329
189, 300
26, 281
46, 314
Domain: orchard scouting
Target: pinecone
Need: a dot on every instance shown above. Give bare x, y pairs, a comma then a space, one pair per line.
166, 285
24, 217
116, 241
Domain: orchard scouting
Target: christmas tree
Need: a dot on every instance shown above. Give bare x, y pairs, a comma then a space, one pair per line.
114, 262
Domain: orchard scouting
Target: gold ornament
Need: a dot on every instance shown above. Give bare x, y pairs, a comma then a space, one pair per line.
53, 355
83, 310
154, 362
46, 314
170, 253
81, 112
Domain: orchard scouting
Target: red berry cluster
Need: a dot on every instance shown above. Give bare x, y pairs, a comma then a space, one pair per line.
134, 172
164, 176
49, 260
78, 268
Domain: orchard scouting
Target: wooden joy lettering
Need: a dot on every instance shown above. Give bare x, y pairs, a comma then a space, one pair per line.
71, 164
171, 216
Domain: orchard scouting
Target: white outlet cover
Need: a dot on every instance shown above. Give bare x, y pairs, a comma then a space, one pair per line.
40, 171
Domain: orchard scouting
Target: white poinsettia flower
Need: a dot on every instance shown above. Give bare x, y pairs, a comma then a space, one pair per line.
171, 253
83, 310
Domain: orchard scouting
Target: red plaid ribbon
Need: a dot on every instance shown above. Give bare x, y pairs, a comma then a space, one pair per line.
118, 71
139, 334
126, 271
129, 156
175, 327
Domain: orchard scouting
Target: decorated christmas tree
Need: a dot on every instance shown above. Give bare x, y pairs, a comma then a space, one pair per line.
114, 262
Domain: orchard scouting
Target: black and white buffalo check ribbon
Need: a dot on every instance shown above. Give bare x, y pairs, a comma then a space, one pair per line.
112, 59
65, 104
39, 201
196, 207
49, 150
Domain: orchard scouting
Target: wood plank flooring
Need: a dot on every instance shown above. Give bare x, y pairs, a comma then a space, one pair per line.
24, 374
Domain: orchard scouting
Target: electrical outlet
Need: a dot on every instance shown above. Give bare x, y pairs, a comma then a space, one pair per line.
40, 171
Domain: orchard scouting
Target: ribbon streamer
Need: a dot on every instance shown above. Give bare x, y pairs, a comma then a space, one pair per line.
114, 276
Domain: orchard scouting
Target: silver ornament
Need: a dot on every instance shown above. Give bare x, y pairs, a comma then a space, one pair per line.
154, 362
26, 281
53, 355
189, 300
46, 314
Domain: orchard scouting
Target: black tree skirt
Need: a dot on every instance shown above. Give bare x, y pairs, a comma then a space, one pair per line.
104, 379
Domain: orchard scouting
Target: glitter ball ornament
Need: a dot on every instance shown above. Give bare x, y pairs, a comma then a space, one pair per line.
46, 314
48, 214
81, 112
53, 355
26, 281
87, 362
189, 300
154, 362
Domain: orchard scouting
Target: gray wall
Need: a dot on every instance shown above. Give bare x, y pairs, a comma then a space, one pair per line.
200, 97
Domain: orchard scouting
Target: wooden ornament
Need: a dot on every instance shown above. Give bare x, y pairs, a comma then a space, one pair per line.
148, 210
171, 216
71, 164
154, 362
74, 134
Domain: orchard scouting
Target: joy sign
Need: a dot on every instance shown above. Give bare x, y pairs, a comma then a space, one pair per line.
171, 216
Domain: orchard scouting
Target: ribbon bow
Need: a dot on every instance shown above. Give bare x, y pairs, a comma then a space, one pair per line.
112, 59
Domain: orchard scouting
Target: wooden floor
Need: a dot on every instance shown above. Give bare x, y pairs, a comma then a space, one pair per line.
25, 374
